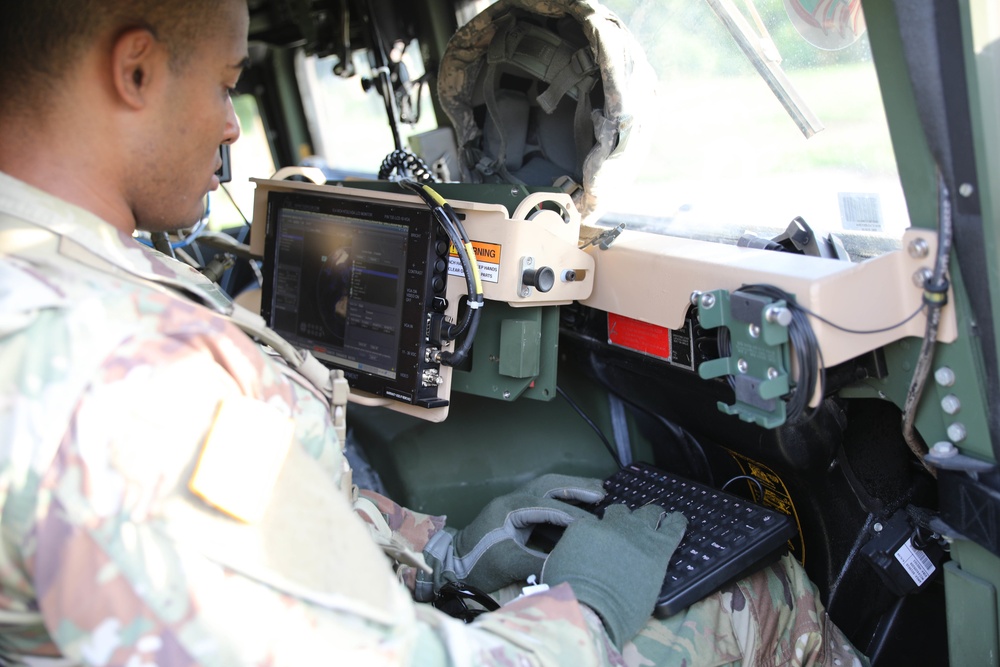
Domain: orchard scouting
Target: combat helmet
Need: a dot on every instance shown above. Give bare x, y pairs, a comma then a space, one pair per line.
547, 92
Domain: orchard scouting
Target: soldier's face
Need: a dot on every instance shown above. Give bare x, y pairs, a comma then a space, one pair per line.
195, 115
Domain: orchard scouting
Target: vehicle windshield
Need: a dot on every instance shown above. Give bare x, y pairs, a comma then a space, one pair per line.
726, 158
723, 156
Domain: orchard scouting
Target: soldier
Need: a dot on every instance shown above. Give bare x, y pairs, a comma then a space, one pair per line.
172, 494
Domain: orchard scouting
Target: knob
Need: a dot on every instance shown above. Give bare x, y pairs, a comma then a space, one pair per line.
541, 279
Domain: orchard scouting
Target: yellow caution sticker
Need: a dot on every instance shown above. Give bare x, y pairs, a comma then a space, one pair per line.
242, 457
487, 257
775, 496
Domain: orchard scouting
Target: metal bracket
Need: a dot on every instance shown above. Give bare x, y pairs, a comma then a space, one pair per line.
759, 359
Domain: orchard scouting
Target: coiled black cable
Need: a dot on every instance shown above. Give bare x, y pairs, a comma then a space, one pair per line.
408, 165
808, 357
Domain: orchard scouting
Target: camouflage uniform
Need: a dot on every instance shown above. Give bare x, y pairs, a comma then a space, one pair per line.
112, 390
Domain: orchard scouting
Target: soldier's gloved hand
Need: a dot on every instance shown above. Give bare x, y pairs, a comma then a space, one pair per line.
616, 564
492, 551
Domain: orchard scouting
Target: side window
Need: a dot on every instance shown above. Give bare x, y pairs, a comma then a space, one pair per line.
347, 117
250, 157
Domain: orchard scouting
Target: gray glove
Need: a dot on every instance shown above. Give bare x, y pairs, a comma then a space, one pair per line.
616, 564
492, 551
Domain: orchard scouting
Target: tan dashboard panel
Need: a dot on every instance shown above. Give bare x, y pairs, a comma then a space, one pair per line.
651, 278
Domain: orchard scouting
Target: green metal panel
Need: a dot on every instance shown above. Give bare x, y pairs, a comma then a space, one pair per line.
508, 196
917, 175
932, 421
501, 362
520, 348
913, 157
972, 618
758, 361
485, 448
981, 38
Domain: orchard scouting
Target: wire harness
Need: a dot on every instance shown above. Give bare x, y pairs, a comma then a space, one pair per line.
468, 324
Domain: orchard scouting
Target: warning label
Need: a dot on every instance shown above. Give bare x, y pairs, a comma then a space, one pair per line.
487, 257
775, 496
639, 336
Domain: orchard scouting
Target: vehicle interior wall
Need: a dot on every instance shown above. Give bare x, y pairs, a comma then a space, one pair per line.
843, 475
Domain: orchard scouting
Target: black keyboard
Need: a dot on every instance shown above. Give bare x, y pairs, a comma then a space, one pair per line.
727, 537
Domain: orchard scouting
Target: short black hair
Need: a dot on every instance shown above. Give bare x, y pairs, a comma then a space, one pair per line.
41, 39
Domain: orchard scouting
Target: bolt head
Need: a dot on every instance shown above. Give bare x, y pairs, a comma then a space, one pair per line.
742, 366
919, 249
921, 277
944, 449
950, 404
778, 315
754, 330
944, 376
966, 189
707, 300
957, 432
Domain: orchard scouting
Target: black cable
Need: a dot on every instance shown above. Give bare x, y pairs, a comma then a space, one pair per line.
459, 238
235, 205
862, 331
802, 340
760, 487
808, 355
590, 422
408, 165
382, 72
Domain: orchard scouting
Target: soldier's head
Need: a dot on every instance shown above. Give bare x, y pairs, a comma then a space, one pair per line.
143, 85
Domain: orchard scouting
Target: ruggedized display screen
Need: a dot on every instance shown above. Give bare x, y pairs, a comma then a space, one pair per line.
352, 281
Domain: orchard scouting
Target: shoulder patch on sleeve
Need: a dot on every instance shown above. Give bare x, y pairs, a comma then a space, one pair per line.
242, 457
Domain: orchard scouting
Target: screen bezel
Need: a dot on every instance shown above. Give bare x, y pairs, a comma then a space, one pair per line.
423, 241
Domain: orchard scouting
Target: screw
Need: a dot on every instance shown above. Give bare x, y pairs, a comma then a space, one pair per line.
966, 189
877, 527
506, 394
514, 192
950, 404
944, 376
944, 449
919, 249
754, 330
778, 315
707, 300
742, 365
957, 432
695, 296
772, 373
921, 277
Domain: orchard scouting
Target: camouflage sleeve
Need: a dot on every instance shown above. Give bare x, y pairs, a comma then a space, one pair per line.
773, 617
414, 529
128, 568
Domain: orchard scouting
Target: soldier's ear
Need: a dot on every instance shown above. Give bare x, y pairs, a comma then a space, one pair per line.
136, 61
